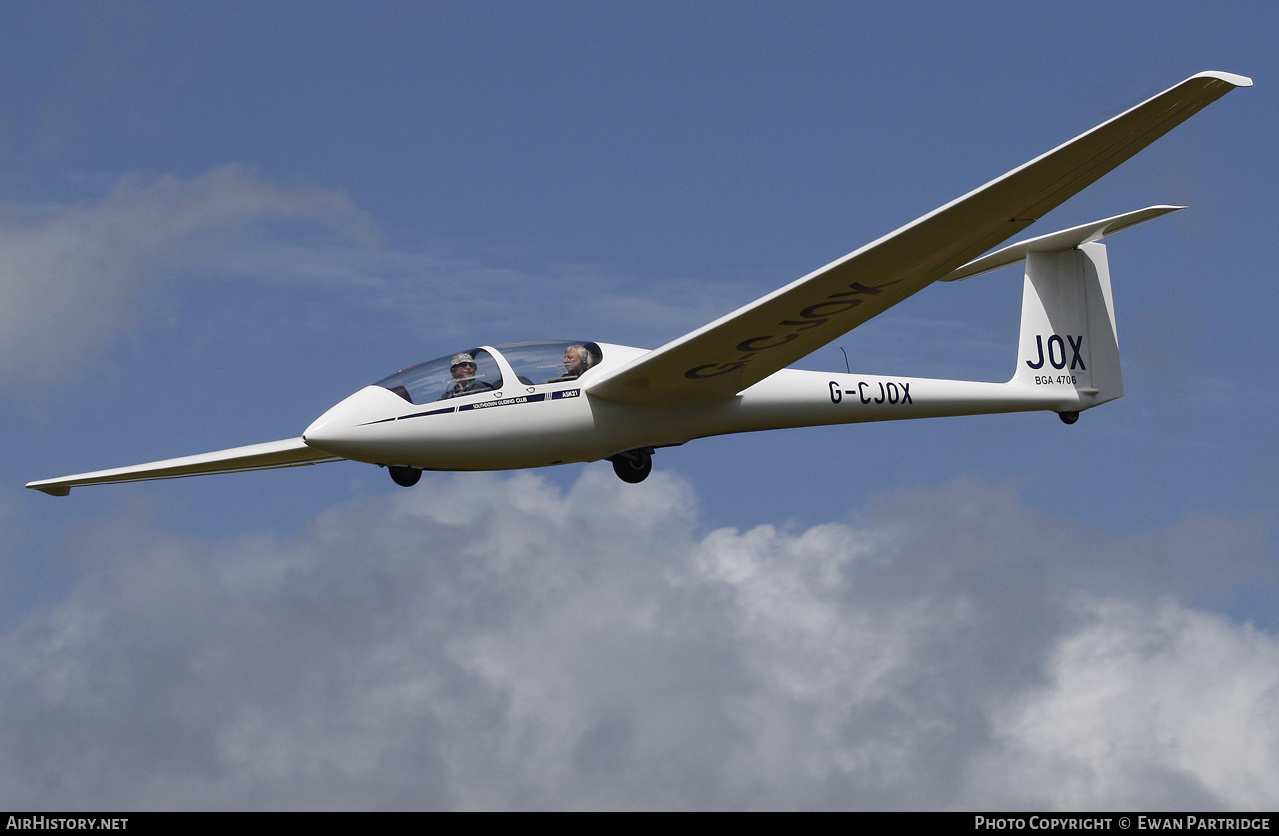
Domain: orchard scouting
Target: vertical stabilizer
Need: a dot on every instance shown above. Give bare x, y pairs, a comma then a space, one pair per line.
1068, 341
1069, 346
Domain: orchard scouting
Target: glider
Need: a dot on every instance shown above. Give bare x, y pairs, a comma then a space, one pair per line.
533, 404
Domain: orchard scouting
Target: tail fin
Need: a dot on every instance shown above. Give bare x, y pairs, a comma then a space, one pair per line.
1069, 344
1068, 336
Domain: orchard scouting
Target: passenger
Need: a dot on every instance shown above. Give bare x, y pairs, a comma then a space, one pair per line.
464, 380
576, 361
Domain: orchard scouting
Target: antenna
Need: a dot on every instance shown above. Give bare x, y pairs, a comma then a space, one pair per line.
845, 353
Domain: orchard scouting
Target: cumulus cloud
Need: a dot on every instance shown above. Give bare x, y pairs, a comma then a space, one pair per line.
1145, 706
487, 642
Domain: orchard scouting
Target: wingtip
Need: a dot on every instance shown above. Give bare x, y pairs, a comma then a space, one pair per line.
1229, 78
51, 490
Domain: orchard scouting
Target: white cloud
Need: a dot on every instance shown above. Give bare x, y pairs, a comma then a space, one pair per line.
483, 642
1146, 706
71, 274
75, 276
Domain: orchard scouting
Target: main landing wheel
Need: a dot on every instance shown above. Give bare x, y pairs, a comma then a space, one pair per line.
405, 477
633, 466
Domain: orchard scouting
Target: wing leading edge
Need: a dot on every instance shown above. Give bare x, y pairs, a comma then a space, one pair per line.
720, 359
292, 452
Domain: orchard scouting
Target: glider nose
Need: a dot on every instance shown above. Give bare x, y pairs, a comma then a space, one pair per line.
345, 429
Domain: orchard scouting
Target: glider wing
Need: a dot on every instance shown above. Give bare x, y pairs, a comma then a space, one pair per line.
291, 452
720, 359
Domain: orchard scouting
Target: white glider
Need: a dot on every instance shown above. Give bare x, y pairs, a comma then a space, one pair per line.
533, 404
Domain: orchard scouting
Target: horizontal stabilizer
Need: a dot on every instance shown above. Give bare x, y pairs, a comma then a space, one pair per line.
1065, 240
292, 452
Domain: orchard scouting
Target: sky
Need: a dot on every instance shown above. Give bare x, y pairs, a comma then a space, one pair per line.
218, 220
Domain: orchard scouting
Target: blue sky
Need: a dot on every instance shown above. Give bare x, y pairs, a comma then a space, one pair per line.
216, 222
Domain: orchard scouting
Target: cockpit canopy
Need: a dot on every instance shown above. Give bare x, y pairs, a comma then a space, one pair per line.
535, 362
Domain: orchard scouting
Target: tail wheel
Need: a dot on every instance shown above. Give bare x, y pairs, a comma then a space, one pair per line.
1068, 417
633, 466
405, 477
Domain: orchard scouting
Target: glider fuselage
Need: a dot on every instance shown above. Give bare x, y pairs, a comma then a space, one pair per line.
532, 424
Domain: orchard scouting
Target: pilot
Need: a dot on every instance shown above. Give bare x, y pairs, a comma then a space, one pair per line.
576, 361
464, 380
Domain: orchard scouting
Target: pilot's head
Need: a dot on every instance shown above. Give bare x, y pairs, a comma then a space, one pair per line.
463, 366
576, 360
